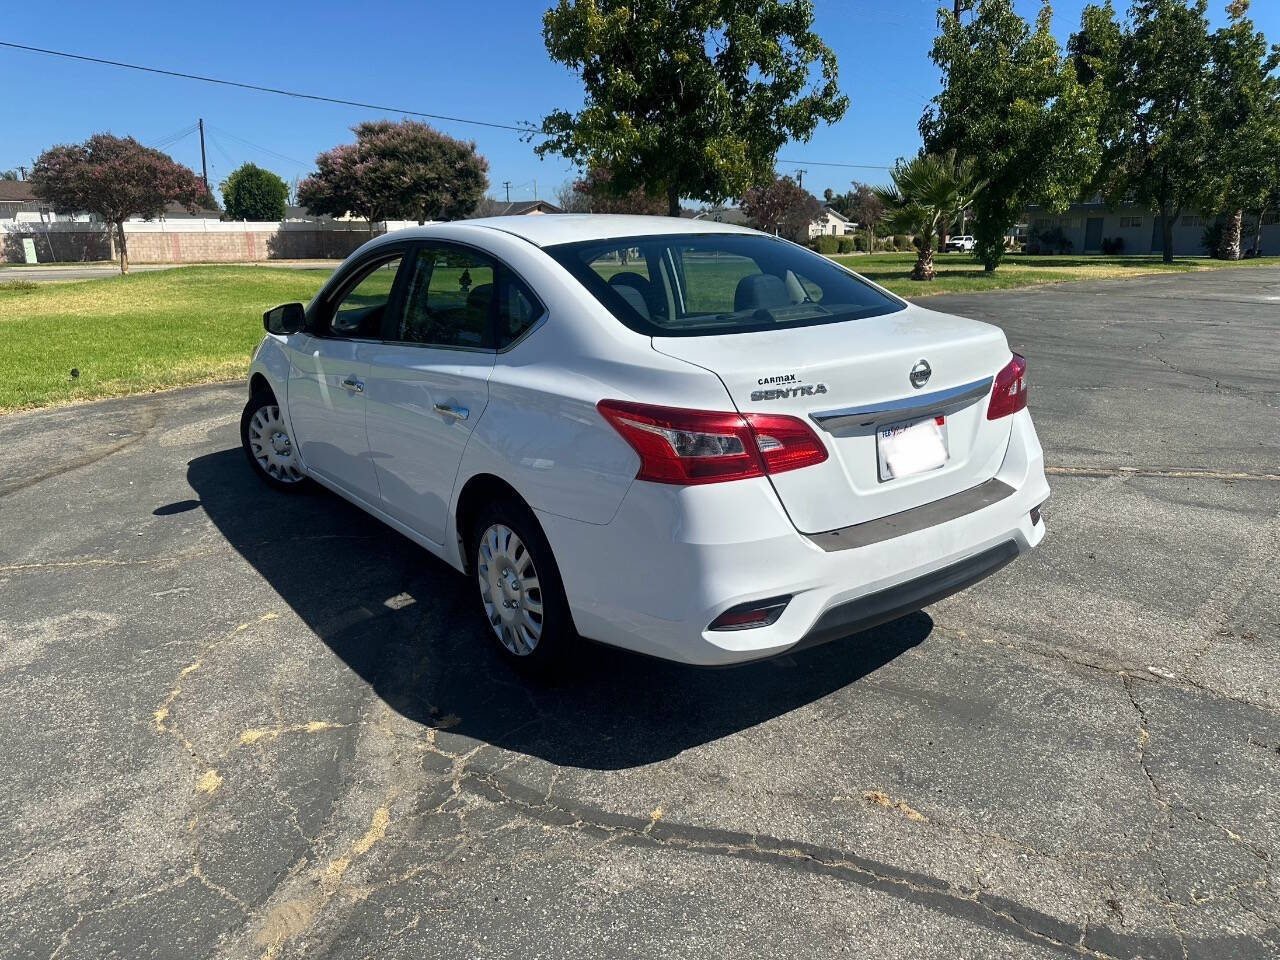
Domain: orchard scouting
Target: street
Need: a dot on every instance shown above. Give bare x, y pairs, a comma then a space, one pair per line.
47, 273
243, 724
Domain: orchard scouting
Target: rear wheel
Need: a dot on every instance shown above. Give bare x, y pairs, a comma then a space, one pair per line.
268, 445
521, 594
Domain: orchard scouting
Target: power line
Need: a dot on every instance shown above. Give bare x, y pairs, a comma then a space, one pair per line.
519, 128
853, 166
525, 128
174, 137
257, 146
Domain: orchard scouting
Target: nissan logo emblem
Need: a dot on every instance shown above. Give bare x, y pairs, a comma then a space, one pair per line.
920, 373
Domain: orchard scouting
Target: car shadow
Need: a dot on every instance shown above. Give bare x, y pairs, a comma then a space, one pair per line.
408, 624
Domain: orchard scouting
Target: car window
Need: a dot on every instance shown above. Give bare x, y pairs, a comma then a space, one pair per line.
361, 309
626, 272
449, 298
715, 284
517, 312
712, 277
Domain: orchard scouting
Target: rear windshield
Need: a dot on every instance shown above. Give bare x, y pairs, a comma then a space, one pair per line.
714, 284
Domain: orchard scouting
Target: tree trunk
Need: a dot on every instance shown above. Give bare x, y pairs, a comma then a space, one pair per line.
1257, 234
1166, 232
924, 263
673, 201
122, 246
1229, 245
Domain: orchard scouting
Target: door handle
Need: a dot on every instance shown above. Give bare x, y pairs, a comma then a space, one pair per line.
354, 385
452, 410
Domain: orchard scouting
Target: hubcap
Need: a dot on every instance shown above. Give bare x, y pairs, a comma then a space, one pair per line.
271, 447
509, 589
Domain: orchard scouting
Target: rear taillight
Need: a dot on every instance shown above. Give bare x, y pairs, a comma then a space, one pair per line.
702, 446
1009, 395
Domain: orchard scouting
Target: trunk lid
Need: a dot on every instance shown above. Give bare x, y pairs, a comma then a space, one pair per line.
860, 371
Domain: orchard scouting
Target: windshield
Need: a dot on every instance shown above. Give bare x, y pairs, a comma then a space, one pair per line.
712, 284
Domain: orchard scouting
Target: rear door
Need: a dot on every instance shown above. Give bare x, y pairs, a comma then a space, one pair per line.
428, 382
329, 372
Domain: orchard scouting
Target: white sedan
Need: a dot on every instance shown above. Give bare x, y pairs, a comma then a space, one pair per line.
680, 437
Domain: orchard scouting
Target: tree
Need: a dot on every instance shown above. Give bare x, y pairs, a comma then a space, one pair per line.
1013, 104
570, 200
397, 170
251, 193
691, 99
8, 174
867, 209
1244, 115
928, 192
598, 191
1156, 125
116, 178
782, 207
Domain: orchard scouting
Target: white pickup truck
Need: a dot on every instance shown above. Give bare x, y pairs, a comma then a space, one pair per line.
961, 244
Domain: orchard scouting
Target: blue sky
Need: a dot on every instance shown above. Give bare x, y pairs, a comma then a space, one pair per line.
482, 59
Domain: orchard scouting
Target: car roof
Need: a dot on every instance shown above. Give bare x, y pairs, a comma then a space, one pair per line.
546, 230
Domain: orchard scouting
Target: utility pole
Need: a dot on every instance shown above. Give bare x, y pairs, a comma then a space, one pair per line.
800, 178
22, 172
204, 166
957, 9
506, 184
535, 188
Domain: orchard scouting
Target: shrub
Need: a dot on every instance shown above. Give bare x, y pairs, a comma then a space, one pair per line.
828, 244
1211, 239
847, 244
251, 193
901, 242
860, 243
1112, 245
1054, 240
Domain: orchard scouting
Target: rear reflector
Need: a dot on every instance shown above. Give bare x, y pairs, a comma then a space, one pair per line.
1009, 395
747, 616
704, 446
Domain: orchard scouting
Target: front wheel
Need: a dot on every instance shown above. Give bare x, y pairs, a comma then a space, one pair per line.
268, 445
521, 594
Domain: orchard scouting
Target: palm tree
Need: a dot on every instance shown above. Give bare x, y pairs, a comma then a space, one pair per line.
929, 191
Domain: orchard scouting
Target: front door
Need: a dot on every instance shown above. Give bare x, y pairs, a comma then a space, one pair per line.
329, 374
428, 382
1093, 235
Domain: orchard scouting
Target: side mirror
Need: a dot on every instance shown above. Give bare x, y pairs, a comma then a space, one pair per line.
285, 319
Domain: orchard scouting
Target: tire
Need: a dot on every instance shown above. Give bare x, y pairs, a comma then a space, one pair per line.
268, 446
530, 623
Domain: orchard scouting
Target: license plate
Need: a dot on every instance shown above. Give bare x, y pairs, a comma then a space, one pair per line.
916, 446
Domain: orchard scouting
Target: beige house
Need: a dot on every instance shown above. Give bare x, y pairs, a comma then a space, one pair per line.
831, 224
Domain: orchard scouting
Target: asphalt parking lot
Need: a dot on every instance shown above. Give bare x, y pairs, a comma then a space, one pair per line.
240, 724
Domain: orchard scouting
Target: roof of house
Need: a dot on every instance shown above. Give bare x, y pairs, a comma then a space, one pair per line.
837, 214
16, 190
518, 208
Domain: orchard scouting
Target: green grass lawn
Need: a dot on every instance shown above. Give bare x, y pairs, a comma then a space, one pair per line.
168, 328
960, 273
141, 332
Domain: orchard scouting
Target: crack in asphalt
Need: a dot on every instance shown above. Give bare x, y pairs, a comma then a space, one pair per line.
1170, 473
149, 416
989, 910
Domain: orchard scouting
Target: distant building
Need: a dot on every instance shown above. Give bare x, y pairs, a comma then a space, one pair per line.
520, 208
1087, 226
832, 223
18, 201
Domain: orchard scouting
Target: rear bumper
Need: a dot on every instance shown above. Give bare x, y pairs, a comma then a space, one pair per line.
674, 558
874, 609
